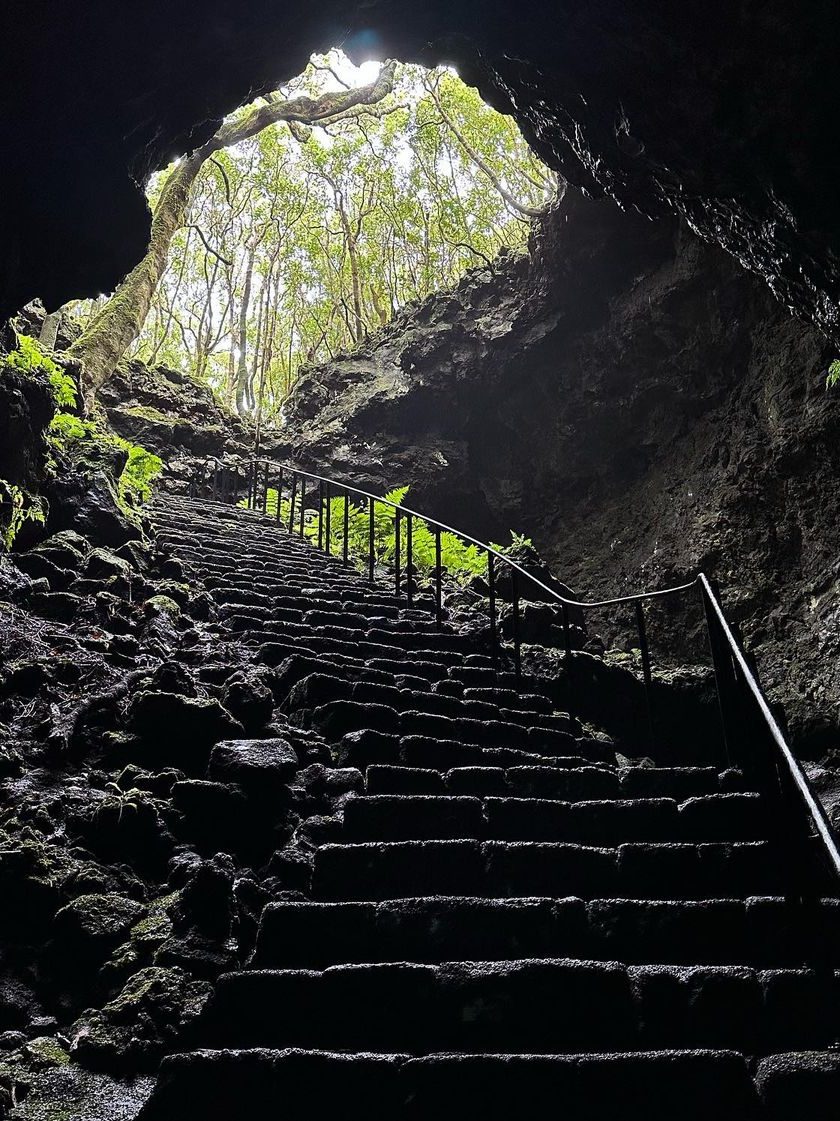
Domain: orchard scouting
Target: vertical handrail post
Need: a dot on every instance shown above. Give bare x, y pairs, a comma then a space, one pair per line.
722, 668
517, 635
236, 483
569, 657
328, 509
397, 550
320, 515
644, 650
292, 500
371, 540
438, 580
302, 504
265, 487
279, 493
491, 595
409, 559
345, 549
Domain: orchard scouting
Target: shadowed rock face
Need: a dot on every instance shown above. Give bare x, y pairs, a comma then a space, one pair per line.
635, 402
725, 115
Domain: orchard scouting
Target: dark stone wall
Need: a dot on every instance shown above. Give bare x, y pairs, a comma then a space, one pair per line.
640, 406
724, 113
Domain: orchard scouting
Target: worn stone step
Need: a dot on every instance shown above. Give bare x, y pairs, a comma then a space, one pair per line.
363, 748
401, 817
504, 869
542, 1005
648, 1086
760, 932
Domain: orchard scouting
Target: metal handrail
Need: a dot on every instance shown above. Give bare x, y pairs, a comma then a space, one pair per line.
444, 528
735, 680
811, 802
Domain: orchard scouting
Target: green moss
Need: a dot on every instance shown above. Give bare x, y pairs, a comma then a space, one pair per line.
46, 1052
142, 467
149, 413
163, 603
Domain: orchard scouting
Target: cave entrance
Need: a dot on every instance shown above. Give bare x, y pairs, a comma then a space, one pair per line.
310, 218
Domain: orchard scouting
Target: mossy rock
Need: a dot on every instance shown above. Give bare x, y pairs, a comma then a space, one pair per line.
143, 1021
44, 1051
98, 920
161, 605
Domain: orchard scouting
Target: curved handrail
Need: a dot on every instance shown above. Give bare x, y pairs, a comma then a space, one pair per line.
636, 596
715, 620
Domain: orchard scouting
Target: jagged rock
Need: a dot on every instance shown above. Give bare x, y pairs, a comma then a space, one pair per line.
260, 767
173, 677
204, 905
61, 606
193, 724
247, 696
93, 924
102, 564
66, 549
144, 1020
44, 1051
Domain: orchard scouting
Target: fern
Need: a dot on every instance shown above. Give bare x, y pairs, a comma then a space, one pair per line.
16, 508
833, 375
134, 486
460, 560
29, 359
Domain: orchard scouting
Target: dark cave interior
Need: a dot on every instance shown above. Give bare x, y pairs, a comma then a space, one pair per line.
723, 114
644, 392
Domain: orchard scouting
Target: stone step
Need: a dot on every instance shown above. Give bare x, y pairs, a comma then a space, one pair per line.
502, 869
334, 719
540, 1005
715, 817
546, 782
362, 748
762, 932
648, 1086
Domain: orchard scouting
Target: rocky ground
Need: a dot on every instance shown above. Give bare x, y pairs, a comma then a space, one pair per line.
129, 880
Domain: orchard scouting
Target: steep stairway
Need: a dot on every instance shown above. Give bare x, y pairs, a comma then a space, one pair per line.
504, 923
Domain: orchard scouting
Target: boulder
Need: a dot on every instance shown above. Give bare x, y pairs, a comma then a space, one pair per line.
102, 564
168, 721
249, 698
143, 1021
92, 925
258, 766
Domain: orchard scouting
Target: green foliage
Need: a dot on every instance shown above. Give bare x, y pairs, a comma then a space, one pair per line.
28, 358
16, 508
142, 467
460, 560
833, 374
140, 471
332, 229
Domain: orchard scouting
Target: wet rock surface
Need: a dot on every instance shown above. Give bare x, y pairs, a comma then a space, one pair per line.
726, 120
395, 783
639, 406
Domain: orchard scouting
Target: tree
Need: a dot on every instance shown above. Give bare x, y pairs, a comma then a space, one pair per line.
114, 329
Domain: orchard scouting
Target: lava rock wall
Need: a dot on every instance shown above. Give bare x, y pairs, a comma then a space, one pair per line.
724, 113
637, 403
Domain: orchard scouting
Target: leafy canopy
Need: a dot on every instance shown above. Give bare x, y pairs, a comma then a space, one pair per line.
300, 243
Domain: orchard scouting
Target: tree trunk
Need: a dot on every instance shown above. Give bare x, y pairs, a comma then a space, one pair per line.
243, 401
113, 330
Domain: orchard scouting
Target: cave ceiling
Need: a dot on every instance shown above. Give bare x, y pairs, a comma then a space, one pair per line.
725, 113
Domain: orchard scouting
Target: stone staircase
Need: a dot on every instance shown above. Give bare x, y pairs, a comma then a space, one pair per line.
505, 924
